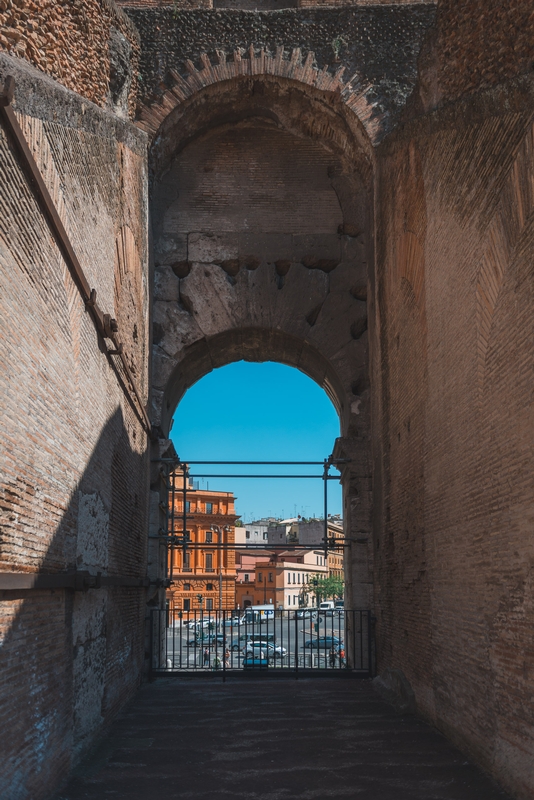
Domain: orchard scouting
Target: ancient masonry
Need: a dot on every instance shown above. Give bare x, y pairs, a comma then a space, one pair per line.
345, 188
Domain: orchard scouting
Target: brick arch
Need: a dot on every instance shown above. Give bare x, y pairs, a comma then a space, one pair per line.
260, 285
256, 345
257, 62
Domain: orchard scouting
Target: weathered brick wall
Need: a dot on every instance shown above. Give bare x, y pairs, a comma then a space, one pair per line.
475, 45
483, 42
73, 461
454, 546
89, 46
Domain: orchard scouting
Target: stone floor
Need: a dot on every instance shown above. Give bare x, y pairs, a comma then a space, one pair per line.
271, 739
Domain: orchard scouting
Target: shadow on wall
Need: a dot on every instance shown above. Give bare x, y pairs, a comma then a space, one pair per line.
71, 659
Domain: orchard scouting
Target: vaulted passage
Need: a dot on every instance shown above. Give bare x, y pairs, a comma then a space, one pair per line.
346, 189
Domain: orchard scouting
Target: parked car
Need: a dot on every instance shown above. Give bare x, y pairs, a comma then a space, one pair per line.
268, 648
199, 623
239, 641
323, 643
211, 638
231, 622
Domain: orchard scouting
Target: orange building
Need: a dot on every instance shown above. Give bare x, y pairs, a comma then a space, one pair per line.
207, 566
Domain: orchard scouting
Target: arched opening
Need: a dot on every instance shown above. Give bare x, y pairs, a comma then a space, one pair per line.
262, 234
274, 526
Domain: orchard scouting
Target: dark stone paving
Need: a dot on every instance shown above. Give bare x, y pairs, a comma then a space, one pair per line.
273, 740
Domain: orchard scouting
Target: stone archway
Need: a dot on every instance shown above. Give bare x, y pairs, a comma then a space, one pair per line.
262, 228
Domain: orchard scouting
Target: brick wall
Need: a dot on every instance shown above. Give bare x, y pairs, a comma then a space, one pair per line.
89, 46
454, 547
73, 462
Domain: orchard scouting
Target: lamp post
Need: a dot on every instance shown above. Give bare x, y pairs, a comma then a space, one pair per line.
200, 601
219, 531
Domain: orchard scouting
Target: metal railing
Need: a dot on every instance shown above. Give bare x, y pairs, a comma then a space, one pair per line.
304, 640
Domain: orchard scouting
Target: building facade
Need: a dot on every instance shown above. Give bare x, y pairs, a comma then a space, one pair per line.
286, 579
202, 573
254, 533
246, 561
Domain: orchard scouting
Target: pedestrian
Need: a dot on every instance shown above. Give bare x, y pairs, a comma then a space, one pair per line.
227, 658
216, 662
342, 656
206, 656
332, 656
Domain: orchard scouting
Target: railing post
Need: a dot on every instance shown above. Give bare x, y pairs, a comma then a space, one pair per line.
296, 646
224, 644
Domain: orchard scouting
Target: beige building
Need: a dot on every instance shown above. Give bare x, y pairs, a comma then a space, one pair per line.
285, 580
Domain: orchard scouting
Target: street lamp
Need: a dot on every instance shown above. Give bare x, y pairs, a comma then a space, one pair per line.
219, 531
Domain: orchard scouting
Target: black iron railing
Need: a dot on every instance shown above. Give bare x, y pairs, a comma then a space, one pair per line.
305, 640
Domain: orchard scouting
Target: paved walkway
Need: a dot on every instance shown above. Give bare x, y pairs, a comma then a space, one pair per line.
267, 739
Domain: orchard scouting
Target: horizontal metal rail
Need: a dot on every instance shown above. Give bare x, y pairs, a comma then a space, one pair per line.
105, 325
179, 461
320, 477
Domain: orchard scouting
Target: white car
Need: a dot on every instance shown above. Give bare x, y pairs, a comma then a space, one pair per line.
267, 648
197, 624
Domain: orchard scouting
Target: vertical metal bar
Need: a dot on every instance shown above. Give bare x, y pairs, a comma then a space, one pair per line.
171, 477
296, 646
224, 645
151, 643
325, 492
184, 515
361, 639
370, 643
219, 556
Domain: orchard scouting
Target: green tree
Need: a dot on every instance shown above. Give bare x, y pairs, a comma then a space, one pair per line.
327, 588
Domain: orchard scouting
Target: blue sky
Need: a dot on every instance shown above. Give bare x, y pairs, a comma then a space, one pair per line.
260, 412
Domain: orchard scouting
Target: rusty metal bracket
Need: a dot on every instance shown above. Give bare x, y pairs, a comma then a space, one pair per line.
105, 325
76, 580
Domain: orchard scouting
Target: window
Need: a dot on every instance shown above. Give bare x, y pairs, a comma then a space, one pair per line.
187, 560
265, 535
294, 579
187, 605
209, 536
187, 506
298, 577
289, 577
209, 561
209, 508
247, 535
247, 577
270, 577
209, 587
256, 533
294, 599
187, 587
209, 604
260, 577
188, 536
